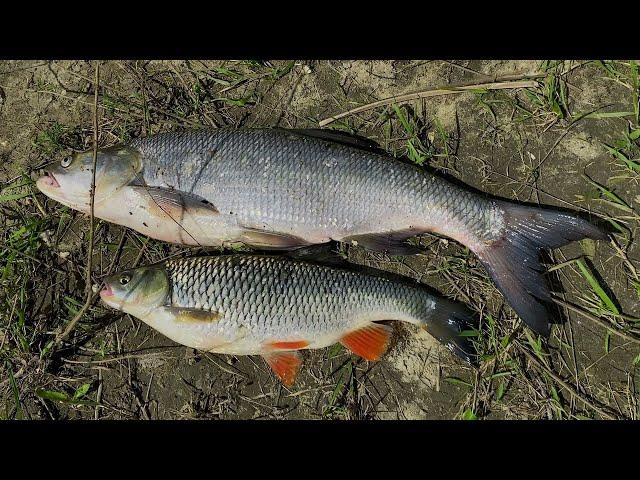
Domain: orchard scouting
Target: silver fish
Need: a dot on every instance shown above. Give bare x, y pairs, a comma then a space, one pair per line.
276, 306
275, 188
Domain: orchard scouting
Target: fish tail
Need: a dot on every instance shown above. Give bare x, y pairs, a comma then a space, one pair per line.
513, 259
452, 324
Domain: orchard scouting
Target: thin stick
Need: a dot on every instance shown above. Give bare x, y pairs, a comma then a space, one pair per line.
470, 70
96, 413
90, 295
498, 85
113, 359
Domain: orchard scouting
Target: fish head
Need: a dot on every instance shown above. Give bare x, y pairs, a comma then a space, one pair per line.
69, 182
137, 291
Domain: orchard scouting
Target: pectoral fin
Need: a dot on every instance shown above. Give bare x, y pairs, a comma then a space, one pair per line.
194, 315
176, 203
291, 345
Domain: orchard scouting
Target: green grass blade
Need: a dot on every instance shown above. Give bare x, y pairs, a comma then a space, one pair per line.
469, 415
457, 381
600, 115
13, 196
615, 201
586, 273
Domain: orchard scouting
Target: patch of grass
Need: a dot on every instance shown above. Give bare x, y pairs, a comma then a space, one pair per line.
552, 95
420, 142
20, 258
416, 150
50, 140
335, 407
77, 398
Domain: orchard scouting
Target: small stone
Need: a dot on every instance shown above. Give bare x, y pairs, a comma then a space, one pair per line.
46, 237
64, 255
306, 69
94, 287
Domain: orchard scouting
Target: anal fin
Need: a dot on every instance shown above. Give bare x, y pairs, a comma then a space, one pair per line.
285, 365
369, 342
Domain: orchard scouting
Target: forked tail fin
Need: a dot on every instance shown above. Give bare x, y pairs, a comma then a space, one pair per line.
514, 264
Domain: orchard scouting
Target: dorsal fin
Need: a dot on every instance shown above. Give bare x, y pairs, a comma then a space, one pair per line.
338, 136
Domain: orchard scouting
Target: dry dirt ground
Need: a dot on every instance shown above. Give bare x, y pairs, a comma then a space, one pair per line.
569, 141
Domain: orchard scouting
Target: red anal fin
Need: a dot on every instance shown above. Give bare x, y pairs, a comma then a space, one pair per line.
296, 345
369, 342
285, 365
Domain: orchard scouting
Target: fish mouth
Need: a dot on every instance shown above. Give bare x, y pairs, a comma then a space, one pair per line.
48, 180
106, 292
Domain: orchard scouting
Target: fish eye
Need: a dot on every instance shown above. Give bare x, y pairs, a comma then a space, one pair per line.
124, 279
66, 162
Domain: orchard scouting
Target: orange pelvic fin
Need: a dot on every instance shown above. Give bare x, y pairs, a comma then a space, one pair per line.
285, 365
369, 342
295, 345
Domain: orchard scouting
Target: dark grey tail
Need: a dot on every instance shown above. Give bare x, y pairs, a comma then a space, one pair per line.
513, 260
453, 325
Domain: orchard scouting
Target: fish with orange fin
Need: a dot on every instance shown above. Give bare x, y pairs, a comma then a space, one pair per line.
284, 189
275, 306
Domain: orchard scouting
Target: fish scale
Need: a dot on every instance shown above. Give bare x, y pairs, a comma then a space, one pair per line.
274, 297
294, 187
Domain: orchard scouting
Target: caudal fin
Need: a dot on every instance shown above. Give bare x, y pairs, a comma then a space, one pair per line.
514, 264
451, 323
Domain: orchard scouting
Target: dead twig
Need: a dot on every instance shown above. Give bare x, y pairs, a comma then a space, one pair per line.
521, 81
90, 295
96, 413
